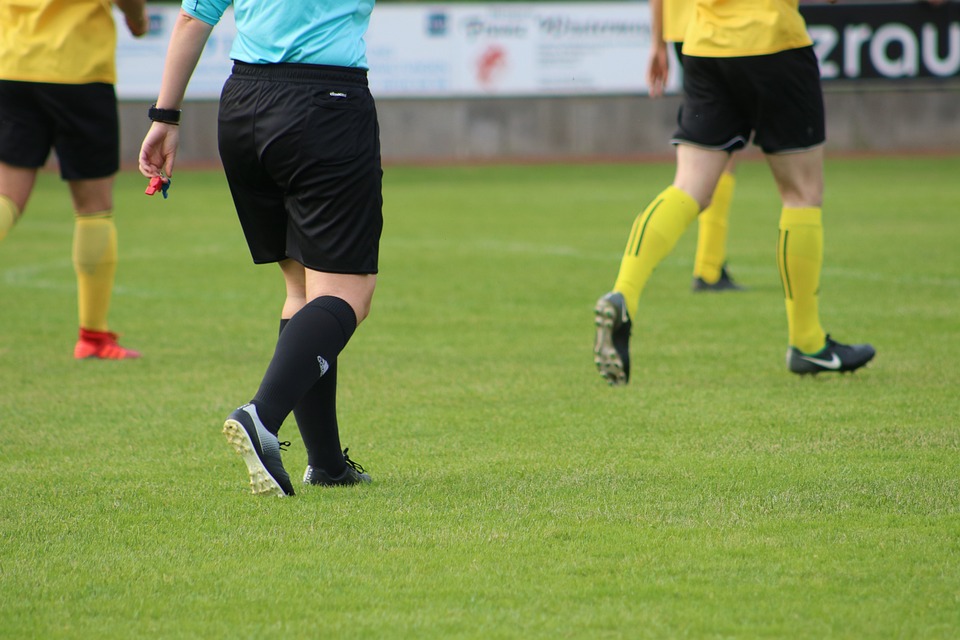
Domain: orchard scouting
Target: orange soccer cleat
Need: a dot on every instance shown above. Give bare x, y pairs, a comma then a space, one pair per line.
101, 344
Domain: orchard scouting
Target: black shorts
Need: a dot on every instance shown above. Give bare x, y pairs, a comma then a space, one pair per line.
80, 121
776, 98
300, 146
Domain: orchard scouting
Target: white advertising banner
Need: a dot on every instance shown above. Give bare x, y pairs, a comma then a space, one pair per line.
454, 50
508, 49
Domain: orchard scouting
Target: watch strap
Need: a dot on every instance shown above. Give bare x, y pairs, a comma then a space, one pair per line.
168, 116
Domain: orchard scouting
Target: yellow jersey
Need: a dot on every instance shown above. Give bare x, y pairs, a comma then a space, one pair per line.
734, 28
58, 41
676, 17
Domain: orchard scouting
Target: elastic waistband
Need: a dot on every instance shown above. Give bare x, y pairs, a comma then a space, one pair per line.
299, 72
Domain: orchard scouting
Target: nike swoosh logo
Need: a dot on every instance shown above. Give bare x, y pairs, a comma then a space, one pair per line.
833, 363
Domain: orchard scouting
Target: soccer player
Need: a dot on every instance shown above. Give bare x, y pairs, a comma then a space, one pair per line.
299, 141
669, 20
57, 77
749, 69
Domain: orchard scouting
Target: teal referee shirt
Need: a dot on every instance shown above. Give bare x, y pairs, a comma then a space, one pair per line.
306, 31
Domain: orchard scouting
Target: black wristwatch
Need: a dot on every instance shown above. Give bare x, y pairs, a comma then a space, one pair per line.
167, 116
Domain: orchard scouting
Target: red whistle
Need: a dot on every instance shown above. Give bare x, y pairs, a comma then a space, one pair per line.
157, 183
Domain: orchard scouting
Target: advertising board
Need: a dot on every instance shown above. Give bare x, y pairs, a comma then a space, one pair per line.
544, 49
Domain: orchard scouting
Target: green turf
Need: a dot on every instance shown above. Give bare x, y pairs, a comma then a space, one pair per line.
515, 494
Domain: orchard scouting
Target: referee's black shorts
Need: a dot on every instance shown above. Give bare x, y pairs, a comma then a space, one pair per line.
79, 121
300, 146
776, 98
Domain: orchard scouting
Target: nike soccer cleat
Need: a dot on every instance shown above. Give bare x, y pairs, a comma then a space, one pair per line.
611, 348
833, 357
260, 449
353, 474
725, 283
102, 345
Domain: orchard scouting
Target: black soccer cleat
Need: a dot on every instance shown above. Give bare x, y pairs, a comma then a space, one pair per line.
834, 357
260, 449
353, 474
724, 283
611, 348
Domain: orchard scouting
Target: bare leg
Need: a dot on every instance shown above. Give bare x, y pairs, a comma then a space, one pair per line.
654, 234
709, 265
295, 281
355, 289
316, 411
95, 263
17, 183
698, 171
92, 196
799, 177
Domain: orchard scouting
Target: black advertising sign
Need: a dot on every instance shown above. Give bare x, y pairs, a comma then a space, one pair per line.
886, 41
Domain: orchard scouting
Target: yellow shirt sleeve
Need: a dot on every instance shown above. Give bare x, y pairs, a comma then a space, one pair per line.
58, 41
676, 17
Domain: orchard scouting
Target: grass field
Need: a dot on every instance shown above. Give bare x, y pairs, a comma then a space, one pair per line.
515, 494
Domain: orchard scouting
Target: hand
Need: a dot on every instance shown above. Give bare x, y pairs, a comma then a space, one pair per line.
159, 149
657, 70
138, 23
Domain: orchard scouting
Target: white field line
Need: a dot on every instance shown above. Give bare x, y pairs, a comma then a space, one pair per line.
57, 275
676, 259
35, 276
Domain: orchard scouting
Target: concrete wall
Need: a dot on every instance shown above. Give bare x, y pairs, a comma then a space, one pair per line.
860, 118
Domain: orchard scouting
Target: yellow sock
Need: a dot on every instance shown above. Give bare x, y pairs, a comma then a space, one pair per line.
800, 258
654, 234
9, 214
95, 262
712, 232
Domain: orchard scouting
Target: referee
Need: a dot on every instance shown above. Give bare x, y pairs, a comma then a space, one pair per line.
57, 77
749, 70
299, 141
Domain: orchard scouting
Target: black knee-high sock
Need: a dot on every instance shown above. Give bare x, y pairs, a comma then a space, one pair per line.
312, 339
316, 415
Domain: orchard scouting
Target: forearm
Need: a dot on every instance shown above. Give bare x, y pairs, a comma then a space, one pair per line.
658, 66
159, 148
656, 22
186, 44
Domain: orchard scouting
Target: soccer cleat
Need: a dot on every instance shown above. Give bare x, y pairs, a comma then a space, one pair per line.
353, 474
611, 348
833, 357
260, 449
101, 344
724, 283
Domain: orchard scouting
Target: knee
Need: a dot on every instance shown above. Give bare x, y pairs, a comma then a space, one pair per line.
293, 304
362, 314
361, 307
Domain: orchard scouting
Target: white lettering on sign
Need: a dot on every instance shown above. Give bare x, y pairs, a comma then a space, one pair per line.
943, 67
854, 37
894, 50
824, 42
907, 64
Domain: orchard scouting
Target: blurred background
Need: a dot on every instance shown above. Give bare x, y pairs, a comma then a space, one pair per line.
559, 81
